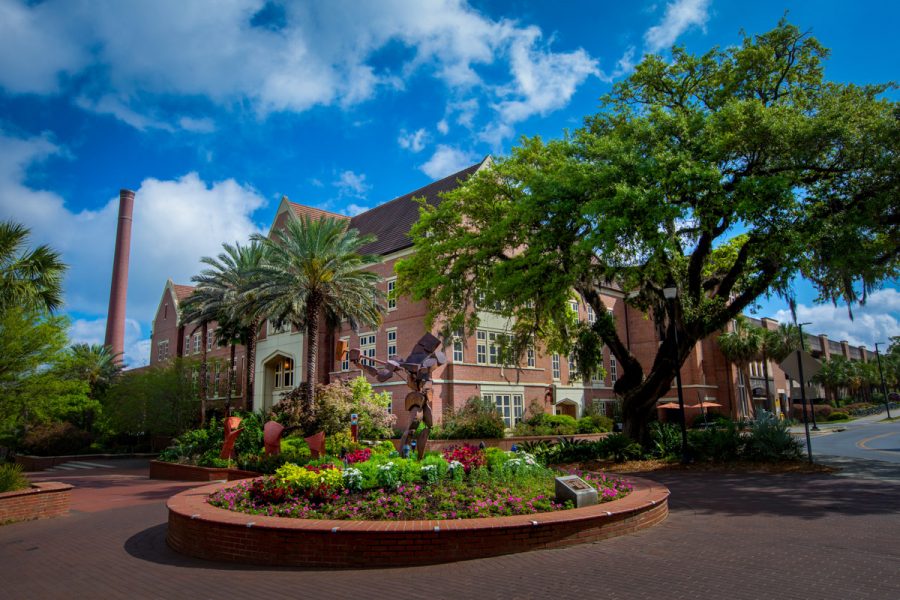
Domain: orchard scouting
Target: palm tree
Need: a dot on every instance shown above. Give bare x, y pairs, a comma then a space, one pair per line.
231, 279
28, 280
741, 346
314, 271
835, 374
777, 344
96, 364
202, 307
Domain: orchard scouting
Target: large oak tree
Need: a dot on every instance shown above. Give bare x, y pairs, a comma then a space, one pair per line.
727, 174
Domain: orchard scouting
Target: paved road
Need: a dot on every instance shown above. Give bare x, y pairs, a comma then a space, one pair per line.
728, 536
869, 439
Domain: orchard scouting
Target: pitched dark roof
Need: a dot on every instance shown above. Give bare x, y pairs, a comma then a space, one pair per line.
314, 213
391, 221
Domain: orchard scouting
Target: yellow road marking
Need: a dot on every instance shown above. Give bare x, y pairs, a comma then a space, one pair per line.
862, 443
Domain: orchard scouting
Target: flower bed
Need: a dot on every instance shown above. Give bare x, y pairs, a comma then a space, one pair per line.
464, 483
203, 531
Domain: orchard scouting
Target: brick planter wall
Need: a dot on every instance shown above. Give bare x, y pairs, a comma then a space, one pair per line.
178, 472
40, 501
203, 531
39, 463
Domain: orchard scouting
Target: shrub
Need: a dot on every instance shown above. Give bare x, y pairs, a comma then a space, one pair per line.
771, 440
56, 439
620, 448
384, 447
665, 439
571, 450
194, 444
838, 416
718, 444
267, 465
339, 441
595, 424
357, 456
546, 424
11, 478
478, 419
250, 440
822, 411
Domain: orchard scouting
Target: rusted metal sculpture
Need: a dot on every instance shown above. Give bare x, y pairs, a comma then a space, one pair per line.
416, 369
272, 431
231, 434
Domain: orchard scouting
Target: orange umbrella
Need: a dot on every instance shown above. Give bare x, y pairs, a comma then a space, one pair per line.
668, 405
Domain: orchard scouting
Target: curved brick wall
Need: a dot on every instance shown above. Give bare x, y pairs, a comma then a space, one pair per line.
203, 531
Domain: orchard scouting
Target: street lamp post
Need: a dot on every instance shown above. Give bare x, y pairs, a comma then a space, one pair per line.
887, 403
803, 393
671, 292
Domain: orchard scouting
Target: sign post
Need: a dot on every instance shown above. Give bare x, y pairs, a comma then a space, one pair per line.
793, 366
354, 427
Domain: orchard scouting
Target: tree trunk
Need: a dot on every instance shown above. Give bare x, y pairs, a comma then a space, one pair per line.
250, 374
203, 373
770, 402
313, 307
230, 381
748, 393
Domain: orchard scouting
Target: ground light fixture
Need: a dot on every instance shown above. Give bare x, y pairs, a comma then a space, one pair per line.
671, 292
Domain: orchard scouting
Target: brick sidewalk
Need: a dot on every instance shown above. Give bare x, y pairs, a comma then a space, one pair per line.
734, 536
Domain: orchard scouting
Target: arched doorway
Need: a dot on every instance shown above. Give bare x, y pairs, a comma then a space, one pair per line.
567, 407
279, 377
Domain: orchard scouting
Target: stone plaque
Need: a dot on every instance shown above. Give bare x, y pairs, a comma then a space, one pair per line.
576, 489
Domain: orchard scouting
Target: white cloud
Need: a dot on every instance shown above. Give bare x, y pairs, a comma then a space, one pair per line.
624, 66
351, 210
877, 321
447, 160
543, 82
352, 184
414, 141
443, 126
93, 331
176, 222
315, 54
201, 125
680, 16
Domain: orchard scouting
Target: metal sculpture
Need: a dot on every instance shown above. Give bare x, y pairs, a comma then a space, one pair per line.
416, 369
272, 431
231, 434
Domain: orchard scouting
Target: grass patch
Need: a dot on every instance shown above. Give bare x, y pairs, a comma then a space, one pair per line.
12, 479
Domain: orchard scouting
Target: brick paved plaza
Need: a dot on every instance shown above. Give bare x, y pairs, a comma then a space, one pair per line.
728, 536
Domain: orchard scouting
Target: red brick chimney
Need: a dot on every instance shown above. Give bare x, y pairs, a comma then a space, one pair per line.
115, 318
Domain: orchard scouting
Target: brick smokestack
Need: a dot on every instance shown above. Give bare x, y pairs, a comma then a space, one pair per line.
115, 318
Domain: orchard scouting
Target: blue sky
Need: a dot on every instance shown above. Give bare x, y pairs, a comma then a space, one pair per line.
213, 110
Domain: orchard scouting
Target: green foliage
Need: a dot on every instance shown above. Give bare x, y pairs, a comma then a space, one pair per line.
478, 419
30, 280
722, 444
375, 417
312, 270
838, 416
334, 403
595, 424
339, 441
11, 478
196, 444
496, 458
571, 450
56, 439
770, 440
650, 191
620, 447
547, 424
665, 439
250, 440
159, 400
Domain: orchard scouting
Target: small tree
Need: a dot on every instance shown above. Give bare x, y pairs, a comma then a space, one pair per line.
741, 346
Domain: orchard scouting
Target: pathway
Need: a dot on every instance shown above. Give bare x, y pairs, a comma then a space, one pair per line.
728, 535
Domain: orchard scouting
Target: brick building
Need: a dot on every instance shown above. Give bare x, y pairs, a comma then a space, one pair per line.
473, 368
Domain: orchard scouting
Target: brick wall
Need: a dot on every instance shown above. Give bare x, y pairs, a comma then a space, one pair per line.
206, 532
40, 501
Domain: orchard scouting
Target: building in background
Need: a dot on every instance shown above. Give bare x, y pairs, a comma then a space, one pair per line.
474, 367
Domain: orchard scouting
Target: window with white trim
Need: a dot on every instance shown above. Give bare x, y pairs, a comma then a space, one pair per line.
487, 349
510, 406
210, 333
197, 340
554, 361
457, 348
345, 360
573, 304
572, 365
284, 373
392, 342
217, 379
162, 350
367, 345
392, 293
530, 356
591, 315
187, 344
275, 330
613, 369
